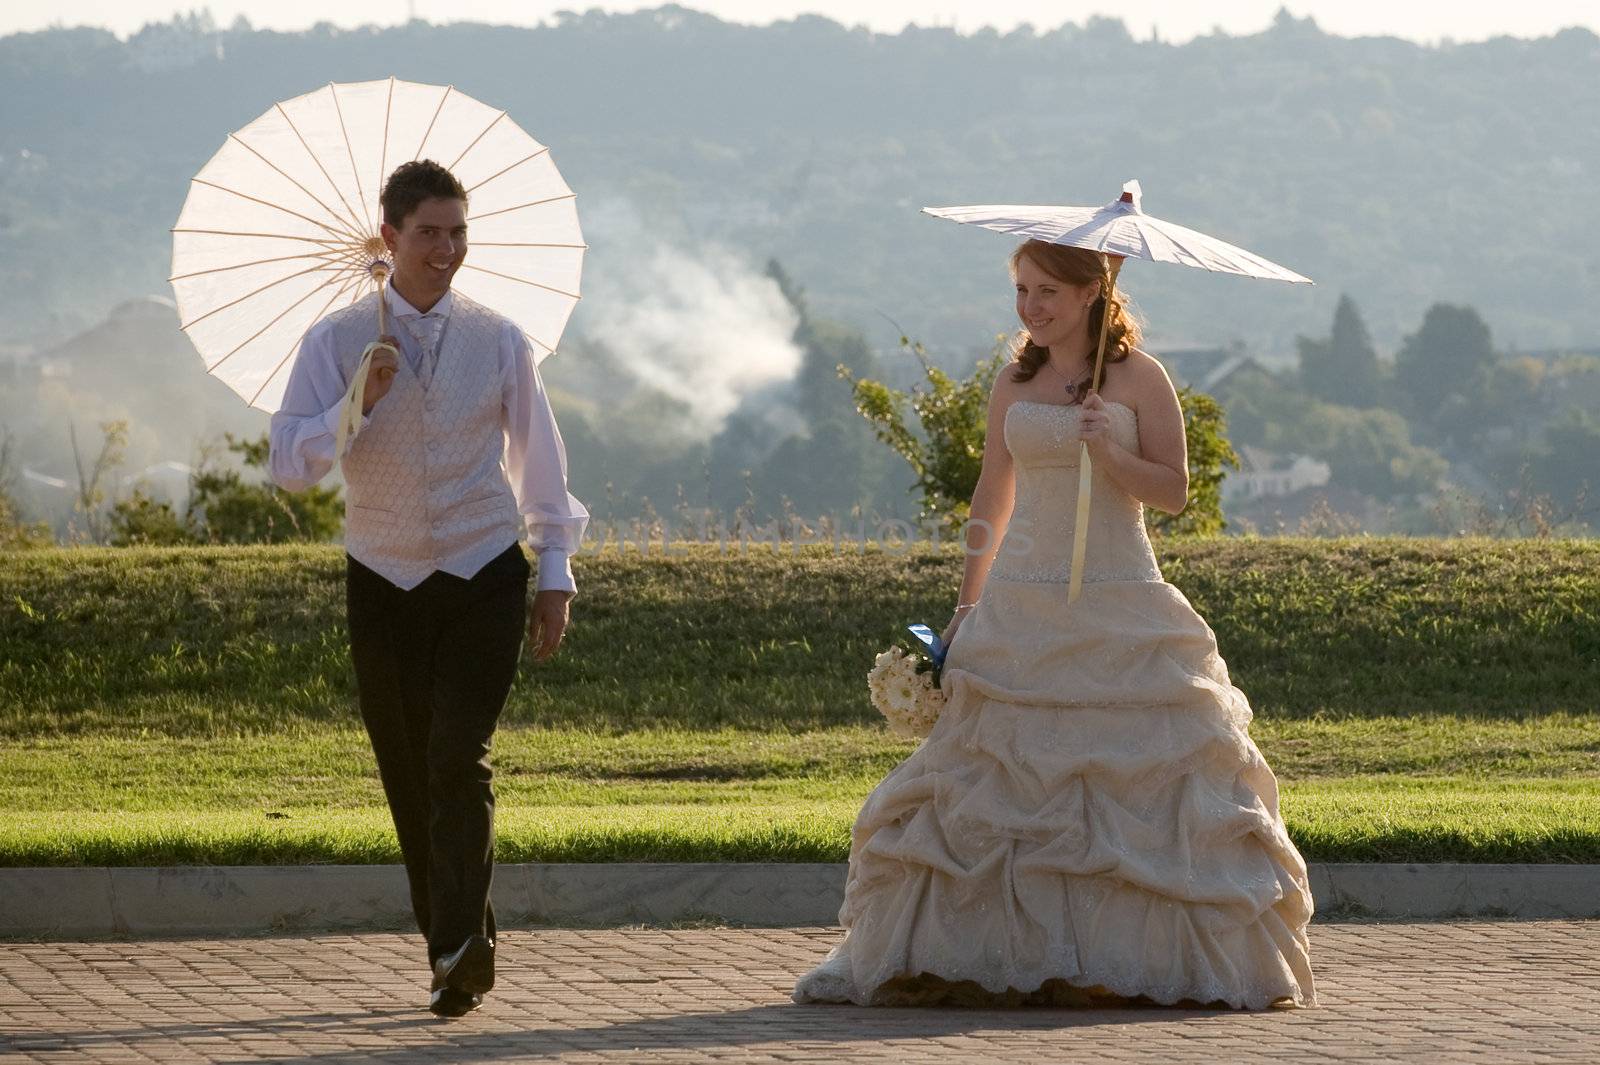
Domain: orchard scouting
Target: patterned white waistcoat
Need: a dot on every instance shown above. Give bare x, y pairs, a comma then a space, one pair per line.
426, 488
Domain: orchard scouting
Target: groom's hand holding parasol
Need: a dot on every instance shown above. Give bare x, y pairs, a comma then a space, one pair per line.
380, 375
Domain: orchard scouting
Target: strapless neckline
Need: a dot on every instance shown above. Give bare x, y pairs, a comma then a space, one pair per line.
1068, 406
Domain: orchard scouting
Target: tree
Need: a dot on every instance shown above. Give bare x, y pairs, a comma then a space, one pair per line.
234, 512
224, 509
833, 464
140, 521
90, 500
1210, 456
1368, 450
1444, 371
947, 455
1567, 469
16, 533
1344, 367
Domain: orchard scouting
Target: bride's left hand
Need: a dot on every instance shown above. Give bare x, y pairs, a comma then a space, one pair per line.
1094, 425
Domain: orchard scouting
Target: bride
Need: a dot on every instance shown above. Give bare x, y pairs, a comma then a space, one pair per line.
1089, 821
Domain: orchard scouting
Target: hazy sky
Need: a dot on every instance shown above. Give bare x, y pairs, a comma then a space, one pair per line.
1177, 20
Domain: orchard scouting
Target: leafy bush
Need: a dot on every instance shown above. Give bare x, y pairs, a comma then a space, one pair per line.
945, 451
224, 509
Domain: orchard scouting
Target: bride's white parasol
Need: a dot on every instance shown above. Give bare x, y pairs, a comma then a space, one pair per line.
1119, 230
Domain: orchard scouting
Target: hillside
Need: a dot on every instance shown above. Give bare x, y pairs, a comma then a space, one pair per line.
1399, 173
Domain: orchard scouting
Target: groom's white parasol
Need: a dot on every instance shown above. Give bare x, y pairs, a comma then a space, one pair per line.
281, 226
1119, 230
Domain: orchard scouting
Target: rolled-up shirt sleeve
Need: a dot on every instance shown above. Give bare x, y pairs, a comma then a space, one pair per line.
302, 433
536, 466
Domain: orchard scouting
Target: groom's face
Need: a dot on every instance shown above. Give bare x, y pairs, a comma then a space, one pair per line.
430, 243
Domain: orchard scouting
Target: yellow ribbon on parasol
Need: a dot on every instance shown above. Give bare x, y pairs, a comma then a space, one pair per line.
350, 412
1080, 529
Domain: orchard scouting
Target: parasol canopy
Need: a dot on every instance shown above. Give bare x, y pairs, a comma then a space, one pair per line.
1120, 228
281, 225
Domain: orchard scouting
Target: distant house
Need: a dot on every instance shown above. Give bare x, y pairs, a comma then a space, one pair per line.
1266, 473
1204, 369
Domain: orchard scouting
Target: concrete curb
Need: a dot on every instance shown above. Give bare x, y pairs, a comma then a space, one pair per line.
234, 900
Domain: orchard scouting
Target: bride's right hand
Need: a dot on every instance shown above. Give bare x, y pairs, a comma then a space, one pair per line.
950, 629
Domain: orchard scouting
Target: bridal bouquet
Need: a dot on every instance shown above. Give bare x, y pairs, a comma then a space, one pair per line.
905, 687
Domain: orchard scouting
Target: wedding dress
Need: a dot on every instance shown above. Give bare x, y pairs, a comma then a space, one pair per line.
1089, 821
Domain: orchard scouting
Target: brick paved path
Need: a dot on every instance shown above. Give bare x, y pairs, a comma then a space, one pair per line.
1433, 993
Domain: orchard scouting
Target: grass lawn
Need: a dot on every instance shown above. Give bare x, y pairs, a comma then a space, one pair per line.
1390, 789
214, 641
1420, 700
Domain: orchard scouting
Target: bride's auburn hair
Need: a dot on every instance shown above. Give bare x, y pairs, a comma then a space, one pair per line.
1074, 266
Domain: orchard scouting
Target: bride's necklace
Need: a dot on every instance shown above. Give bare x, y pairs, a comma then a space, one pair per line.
1076, 389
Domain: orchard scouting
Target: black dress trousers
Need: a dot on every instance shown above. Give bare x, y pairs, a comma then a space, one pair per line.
433, 668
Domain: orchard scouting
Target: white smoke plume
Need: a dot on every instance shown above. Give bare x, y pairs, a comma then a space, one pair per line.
704, 326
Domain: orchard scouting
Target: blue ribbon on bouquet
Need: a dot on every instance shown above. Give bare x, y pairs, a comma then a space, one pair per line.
936, 647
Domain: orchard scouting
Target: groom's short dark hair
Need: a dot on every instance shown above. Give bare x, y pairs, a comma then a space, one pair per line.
413, 182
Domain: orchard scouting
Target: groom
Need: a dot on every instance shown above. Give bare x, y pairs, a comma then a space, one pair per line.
457, 451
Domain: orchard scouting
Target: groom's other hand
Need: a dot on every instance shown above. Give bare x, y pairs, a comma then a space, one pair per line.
547, 621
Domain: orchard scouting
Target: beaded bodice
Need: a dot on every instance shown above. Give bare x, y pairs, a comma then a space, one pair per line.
1043, 441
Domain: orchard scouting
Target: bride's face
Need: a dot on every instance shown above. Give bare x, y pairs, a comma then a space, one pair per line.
1051, 310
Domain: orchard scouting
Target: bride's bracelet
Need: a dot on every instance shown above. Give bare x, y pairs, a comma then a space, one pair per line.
964, 606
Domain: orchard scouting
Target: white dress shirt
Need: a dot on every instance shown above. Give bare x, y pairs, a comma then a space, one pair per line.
302, 432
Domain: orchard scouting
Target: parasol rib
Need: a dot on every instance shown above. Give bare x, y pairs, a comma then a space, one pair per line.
277, 207
1220, 251
332, 184
314, 197
256, 292
1144, 238
350, 150
246, 341
533, 339
383, 156
1181, 245
521, 244
513, 166
269, 236
475, 140
323, 255
276, 370
522, 281
521, 206
429, 131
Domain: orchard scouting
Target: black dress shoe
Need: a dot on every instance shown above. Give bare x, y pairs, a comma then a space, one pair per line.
469, 968
453, 1002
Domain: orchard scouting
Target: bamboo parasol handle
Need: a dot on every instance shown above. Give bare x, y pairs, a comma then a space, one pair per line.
350, 412
1080, 528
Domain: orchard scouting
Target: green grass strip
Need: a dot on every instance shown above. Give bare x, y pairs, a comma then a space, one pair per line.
1369, 819
221, 641
333, 768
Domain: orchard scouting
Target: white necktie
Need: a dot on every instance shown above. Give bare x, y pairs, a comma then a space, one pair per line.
425, 330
